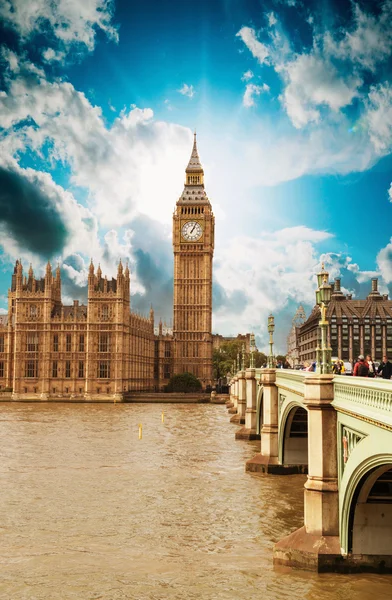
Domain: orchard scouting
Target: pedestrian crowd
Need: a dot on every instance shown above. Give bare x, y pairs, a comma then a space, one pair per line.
365, 367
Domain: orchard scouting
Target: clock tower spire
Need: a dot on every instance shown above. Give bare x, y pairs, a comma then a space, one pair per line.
193, 246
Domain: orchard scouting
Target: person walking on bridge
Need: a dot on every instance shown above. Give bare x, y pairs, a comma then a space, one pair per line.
385, 369
371, 365
361, 368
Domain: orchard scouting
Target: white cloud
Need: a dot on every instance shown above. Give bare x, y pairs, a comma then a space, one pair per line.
368, 42
251, 91
384, 262
187, 90
70, 21
259, 50
49, 55
312, 82
247, 76
136, 164
274, 269
329, 75
272, 20
378, 117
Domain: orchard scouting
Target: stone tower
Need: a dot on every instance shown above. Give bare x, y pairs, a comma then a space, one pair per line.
193, 245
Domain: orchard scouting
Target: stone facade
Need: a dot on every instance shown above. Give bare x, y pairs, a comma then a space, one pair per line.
48, 350
103, 350
355, 326
293, 337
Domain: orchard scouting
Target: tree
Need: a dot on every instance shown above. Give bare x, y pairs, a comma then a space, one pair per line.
281, 358
184, 382
224, 356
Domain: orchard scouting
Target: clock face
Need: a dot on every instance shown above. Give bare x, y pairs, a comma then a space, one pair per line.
192, 231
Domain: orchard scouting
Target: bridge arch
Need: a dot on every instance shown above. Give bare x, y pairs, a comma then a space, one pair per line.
366, 515
259, 410
293, 434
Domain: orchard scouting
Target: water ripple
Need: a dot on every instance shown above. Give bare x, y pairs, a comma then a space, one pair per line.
89, 511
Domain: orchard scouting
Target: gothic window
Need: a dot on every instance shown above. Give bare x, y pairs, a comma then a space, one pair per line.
33, 311
31, 368
1, 369
55, 343
54, 369
81, 369
166, 371
2, 342
103, 342
32, 342
104, 369
68, 368
167, 350
68, 342
105, 312
81, 342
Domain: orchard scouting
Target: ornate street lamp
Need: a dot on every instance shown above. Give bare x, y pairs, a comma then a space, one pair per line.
271, 328
323, 298
252, 350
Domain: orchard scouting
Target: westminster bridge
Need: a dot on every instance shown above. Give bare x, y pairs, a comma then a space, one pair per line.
338, 430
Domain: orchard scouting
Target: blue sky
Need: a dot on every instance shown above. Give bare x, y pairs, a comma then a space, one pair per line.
292, 104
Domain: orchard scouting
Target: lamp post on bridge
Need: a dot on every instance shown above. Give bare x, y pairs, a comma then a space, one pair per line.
271, 328
252, 350
243, 358
323, 298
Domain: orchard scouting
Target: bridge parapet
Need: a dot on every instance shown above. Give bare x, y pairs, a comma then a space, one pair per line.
370, 399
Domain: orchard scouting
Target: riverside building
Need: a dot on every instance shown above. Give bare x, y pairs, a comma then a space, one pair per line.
103, 350
355, 326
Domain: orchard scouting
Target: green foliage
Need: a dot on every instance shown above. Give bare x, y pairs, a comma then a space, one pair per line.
281, 358
223, 358
184, 382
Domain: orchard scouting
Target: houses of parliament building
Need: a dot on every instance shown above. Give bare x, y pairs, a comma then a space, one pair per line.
103, 350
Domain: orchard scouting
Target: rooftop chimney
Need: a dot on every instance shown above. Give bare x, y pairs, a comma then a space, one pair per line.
336, 291
374, 291
76, 302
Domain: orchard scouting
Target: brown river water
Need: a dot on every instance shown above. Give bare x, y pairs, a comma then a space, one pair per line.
89, 511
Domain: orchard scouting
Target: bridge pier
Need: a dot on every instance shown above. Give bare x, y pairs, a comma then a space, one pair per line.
233, 409
239, 417
316, 546
229, 402
267, 461
249, 431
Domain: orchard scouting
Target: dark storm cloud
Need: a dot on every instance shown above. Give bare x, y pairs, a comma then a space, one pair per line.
29, 215
236, 301
158, 285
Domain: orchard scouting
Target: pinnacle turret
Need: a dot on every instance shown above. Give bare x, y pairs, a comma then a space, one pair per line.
194, 161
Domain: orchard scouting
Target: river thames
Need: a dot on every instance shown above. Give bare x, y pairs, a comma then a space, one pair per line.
89, 511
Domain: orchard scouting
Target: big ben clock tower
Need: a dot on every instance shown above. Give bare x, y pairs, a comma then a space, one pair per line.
193, 244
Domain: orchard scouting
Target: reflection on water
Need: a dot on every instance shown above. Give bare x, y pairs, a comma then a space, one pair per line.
89, 511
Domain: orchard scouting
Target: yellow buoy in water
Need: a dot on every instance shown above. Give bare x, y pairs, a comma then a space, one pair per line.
140, 431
